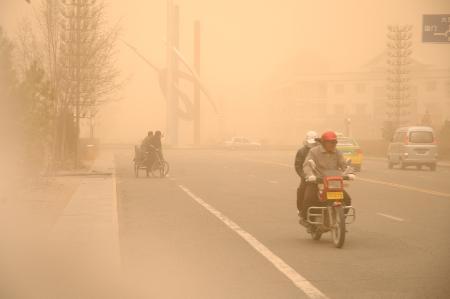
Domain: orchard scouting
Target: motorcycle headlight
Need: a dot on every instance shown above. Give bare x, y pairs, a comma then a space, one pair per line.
334, 184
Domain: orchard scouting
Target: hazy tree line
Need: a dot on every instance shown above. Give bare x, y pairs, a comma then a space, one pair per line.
55, 71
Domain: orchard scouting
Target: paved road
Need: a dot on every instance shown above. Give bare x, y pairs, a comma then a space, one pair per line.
224, 225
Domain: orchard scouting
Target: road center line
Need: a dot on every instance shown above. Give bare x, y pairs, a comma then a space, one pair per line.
273, 182
426, 191
391, 217
299, 281
268, 162
400, 186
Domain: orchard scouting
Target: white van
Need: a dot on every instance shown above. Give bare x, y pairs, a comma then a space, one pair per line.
413, 146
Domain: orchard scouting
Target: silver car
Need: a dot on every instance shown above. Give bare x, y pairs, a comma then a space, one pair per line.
413, 146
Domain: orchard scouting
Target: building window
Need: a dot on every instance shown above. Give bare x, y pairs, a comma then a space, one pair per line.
414, 91
322, 90
360, 88
361, 109
339, 88
430, 86
339, 109
380, 91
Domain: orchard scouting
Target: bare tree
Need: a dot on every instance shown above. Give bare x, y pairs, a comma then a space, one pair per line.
75, 47
88, 44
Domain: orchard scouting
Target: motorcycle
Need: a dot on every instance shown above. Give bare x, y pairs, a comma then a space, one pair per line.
331, 215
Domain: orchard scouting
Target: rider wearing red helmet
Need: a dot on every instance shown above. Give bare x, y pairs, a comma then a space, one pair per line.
326, 157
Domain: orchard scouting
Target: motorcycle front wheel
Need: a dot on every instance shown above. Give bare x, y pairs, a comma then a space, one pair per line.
338, 230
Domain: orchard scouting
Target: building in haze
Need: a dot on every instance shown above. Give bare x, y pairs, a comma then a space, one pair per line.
326, 101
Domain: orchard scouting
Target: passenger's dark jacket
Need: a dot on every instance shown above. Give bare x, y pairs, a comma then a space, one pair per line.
300, 160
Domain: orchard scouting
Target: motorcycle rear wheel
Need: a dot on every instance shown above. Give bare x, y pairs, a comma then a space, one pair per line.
338, 230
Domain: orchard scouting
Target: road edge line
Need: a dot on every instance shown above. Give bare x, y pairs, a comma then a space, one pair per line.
298, 280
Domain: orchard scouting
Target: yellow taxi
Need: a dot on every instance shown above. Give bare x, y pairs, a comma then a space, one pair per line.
351, 150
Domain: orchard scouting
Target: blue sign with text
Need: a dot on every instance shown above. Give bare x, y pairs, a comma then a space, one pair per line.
436, 29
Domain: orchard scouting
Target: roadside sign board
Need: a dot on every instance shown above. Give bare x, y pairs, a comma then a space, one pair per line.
436, 28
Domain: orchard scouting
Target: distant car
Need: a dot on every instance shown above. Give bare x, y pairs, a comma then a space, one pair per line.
413, 146
351, 150
241, 143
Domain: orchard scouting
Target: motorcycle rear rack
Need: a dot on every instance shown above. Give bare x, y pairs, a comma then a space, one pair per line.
319, 213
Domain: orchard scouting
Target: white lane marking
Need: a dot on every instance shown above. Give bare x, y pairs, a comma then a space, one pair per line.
268, 162
391, 217
299, 281
273, 182
426, 191
252, 175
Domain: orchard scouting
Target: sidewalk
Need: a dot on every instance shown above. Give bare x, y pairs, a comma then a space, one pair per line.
85, 237
60, 236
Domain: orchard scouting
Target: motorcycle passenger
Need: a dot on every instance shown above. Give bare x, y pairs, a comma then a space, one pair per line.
309, 142
326, 157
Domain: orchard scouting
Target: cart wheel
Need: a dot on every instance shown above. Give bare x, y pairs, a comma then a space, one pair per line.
156, 169
166, 168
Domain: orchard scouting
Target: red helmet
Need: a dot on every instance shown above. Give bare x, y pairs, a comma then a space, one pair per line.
329, 136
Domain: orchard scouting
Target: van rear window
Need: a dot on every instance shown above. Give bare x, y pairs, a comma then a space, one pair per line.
421, 137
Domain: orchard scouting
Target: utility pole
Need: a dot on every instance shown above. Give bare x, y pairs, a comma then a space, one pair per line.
77, 37
78, 79
197, 91
348, 122
171, 111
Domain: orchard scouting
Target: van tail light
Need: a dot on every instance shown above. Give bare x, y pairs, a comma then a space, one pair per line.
406, 140
434, 140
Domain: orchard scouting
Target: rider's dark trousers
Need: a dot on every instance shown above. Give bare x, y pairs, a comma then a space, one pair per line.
301, 194
311, 198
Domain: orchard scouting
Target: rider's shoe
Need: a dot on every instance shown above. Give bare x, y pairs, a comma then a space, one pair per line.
302, 221
306, 224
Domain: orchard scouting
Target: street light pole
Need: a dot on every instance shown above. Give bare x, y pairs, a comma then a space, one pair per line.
197, 94
171, 111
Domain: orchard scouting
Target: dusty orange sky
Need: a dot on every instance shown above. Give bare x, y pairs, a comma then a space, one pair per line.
245, 43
